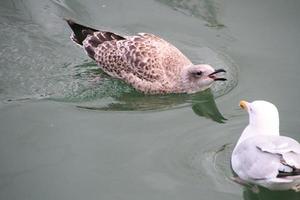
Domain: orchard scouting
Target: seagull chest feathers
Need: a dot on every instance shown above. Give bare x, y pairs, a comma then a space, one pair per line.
263, 157
145, 61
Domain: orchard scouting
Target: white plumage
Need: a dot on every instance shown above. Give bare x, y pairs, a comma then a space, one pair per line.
263, 157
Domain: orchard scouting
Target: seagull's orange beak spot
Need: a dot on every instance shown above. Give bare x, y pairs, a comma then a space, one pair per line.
244, 105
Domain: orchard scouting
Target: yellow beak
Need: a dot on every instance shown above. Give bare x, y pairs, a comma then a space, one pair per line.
244, 105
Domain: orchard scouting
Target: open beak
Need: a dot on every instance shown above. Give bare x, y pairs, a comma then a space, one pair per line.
244, 105
213, 75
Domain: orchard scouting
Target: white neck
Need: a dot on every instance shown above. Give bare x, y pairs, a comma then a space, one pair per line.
252, 130
187, 84
263, 120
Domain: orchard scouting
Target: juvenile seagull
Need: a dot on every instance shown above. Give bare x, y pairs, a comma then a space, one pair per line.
145, 61
263, 157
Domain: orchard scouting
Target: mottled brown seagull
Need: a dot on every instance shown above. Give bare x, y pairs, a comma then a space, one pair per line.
145, 61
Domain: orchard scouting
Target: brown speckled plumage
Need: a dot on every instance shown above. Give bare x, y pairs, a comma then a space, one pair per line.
145, 61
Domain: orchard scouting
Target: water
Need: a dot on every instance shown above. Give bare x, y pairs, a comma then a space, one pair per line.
66, 136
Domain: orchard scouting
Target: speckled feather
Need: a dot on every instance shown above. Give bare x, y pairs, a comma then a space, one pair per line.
147, 62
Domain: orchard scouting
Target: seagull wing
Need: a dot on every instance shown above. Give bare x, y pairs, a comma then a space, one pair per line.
289, 151
251, 163
267, 157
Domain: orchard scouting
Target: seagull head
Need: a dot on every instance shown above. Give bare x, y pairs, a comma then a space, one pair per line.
263, 116
200, 77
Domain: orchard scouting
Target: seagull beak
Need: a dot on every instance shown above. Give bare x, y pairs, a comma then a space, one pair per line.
244, 105
212, 75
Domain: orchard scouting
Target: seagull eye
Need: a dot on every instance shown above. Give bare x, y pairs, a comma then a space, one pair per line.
198, 73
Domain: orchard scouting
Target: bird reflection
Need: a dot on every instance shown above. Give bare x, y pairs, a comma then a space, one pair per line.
202, 104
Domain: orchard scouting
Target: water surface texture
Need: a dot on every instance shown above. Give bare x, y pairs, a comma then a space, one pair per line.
68, 131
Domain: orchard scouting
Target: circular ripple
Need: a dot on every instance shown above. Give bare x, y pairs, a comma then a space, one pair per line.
199, 158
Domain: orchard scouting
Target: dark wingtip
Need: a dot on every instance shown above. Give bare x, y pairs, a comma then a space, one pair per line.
80, 32
70, 22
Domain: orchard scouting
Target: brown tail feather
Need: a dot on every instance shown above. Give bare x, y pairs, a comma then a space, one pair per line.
80, 33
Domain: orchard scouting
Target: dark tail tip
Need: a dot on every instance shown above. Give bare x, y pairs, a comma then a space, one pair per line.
80, 32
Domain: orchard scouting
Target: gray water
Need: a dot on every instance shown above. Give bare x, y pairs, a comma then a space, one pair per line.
64, 135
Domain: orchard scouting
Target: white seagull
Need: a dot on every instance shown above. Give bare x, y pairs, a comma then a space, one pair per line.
263, 157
